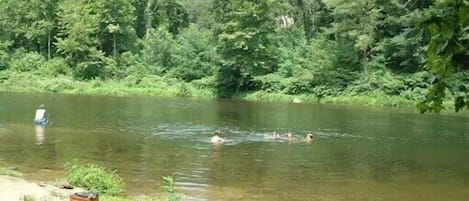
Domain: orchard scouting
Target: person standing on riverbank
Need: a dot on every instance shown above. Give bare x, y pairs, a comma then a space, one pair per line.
41, 117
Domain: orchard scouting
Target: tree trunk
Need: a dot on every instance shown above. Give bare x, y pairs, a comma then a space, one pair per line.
49, 46
114, 51
306, 15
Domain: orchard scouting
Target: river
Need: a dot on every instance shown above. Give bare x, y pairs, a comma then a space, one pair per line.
359, 153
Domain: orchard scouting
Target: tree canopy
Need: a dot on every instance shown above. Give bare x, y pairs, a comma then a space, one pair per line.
413, 49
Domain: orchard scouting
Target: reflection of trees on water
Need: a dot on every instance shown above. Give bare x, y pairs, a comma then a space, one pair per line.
258, 170
382, 159
26, 147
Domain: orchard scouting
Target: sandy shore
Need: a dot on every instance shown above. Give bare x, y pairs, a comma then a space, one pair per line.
18, 189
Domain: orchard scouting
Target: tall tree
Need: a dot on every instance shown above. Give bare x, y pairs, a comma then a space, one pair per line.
116, 31
177, 17
243, 42
31, 24
357, 20
146, 15
6, 34
313, 14
44, 22
78, 41
152, 14
91, 30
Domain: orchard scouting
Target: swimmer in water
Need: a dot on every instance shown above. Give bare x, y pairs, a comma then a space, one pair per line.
275, 135
216, 139
290, 136
309, 138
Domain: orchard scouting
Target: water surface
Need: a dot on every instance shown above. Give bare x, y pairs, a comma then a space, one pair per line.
360, 153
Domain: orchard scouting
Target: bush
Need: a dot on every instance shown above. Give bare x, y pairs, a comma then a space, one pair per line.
58, 84
170, 189
130, 65
24, 62
269, 82
55, 67
195, 56
95, 178
4, 55
382, 80
157, 51
205, 83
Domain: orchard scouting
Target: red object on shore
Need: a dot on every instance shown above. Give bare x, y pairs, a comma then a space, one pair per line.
84, 196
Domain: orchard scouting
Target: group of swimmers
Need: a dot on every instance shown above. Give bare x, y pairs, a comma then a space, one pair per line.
289, 136
41, 119
216, 139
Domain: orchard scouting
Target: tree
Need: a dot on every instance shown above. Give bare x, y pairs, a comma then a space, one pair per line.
199, 12
30, 24
116, 33
356, 20
153, 14
78, 41
44, 22
446, 24
176, 15
157, 50
400, 42
243, 42
146, 16
92, 30
6, 34
313, 14
196, 56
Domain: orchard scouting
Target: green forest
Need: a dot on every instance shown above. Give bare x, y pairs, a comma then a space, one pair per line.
372, 52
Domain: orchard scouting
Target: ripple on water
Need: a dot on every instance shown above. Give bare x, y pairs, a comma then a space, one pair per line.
232, 136
201, 134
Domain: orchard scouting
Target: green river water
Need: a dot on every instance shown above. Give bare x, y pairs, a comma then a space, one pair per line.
360, 153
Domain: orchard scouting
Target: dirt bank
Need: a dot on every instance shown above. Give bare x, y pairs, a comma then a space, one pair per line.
18, 189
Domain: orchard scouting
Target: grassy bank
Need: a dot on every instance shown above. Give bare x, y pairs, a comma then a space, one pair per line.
131, 86
84, 178
372, 99
201, 89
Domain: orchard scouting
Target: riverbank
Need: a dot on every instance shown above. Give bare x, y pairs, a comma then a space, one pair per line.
18, 189
200, 89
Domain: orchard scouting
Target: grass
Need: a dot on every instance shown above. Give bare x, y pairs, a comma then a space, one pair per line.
344, 99
169, 189
146, 86
169, 87
9, 172
134, 198
28, 198
105, 181
95, 178
110, 186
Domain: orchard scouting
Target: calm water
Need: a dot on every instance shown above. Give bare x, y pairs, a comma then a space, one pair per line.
359, 154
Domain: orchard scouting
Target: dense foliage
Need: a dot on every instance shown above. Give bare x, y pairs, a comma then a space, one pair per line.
415, 50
